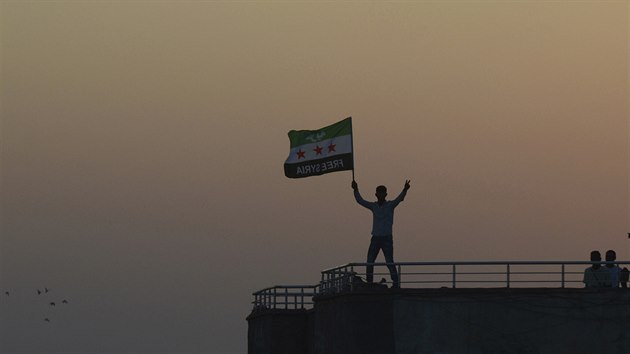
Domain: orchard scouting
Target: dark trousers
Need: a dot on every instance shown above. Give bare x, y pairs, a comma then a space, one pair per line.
385, 243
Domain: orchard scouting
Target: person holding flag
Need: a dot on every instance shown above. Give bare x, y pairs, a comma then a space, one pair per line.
330, 149
382, 235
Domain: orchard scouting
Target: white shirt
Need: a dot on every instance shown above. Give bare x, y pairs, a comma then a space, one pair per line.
614, 275
383, 215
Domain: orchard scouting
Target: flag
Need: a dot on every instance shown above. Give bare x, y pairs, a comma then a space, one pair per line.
316, 152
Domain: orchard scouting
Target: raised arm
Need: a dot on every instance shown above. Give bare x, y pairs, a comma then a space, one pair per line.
402, 194
358, 197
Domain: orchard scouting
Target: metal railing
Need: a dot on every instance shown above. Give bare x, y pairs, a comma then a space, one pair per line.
287, 297
507, 274
426, 275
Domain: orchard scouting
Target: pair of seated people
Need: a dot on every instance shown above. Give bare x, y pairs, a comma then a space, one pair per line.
607, 276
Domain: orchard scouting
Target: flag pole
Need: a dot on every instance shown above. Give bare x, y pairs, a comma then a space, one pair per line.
352, 146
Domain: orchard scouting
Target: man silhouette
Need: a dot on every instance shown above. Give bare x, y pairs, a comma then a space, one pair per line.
596, 276
614, 269
382, 222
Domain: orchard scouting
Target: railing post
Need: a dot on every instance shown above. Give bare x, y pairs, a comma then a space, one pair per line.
352, 278
399, 275
340, 279
454, 276
508, 275
275, 293
329, 283
321, 282
563, 275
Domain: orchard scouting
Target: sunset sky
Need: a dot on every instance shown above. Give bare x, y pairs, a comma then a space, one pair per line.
143, 142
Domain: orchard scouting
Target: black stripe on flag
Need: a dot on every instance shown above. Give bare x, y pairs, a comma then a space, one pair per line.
341, 162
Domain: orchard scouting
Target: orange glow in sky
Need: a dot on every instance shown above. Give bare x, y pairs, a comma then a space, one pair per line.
143, 145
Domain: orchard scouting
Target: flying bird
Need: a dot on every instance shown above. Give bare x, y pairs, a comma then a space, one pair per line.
64, 302
46, 289
39, 292
46, 319
6, 292
52, 304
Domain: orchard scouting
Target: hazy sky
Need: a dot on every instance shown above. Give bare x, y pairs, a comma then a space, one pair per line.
142, 146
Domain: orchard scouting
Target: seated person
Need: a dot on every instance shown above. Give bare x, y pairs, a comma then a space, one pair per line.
595, 276
612, 268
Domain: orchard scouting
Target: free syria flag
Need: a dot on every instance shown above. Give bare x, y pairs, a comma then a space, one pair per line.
316, 152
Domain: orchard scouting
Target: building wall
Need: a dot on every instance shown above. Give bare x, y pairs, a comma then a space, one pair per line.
513, 321
279, 332
472, 321
354, 323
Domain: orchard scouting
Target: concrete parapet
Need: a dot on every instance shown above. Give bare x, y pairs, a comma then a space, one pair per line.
513, 321
474, 321
279, 331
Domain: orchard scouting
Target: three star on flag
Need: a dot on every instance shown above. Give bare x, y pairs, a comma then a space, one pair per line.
321, 151
318, 151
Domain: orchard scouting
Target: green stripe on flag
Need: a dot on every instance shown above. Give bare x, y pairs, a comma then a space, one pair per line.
301, 137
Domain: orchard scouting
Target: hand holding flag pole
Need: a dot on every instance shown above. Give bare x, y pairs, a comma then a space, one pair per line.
352, 147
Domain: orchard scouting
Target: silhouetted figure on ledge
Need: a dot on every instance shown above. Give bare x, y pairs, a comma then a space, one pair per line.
614, 269
596, 276
382, 222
